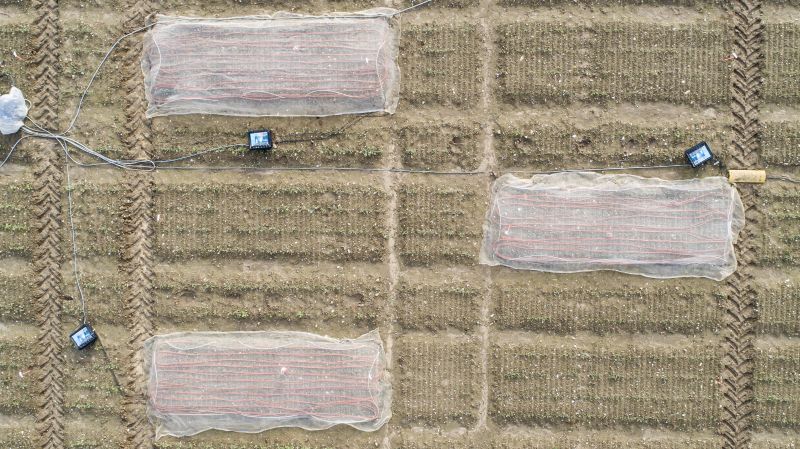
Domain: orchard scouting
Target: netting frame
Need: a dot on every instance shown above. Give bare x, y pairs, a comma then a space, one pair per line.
390, 49
584, 180
180, 426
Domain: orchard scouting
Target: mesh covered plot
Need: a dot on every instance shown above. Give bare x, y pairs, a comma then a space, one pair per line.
281, 65
571, 222
254, 381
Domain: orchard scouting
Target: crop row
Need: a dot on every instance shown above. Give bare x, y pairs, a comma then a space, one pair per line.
440, 222
330, 222
779, 310
438, 305
16, 305
544, 3
781, 143
672, 387
547, 62
88, 383
326, 221
782, 63
602, 440
607, 307
97, 217
304, 298
441, 64
777, 387
561, 146
781, 244
561, 439
447, 146
15, 37
359, 144
342, 437
17, 377
439, 380
15, 214
773, 441
18, 438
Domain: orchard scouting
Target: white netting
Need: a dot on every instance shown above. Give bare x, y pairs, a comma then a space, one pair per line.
571, 222
254, 381
280, 65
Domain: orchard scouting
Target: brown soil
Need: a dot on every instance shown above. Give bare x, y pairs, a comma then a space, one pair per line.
479, 358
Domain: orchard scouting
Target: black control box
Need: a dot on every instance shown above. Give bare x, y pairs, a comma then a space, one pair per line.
699, 154
260, 140
83, 336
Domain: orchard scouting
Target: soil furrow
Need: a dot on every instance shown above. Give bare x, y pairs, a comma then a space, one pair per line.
47, 237
137, 218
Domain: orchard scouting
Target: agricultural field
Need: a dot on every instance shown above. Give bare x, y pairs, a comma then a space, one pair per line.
478, 357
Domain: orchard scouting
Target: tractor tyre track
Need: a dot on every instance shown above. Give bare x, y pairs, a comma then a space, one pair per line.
740, 305
137, 218
47, 255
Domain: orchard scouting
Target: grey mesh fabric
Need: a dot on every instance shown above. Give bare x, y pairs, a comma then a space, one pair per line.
280, 65
254, 381
572, 222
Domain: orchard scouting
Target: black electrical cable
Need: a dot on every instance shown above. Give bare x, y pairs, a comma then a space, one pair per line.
110, 367
299, 138
784, 178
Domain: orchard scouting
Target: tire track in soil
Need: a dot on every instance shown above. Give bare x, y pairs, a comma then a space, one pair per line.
47, 255
137, 218
740, 306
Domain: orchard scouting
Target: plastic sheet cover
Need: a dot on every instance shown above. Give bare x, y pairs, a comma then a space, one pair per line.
254, 381
572, 222
13, 111
280, 65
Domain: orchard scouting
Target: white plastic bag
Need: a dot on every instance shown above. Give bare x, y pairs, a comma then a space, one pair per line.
13, 111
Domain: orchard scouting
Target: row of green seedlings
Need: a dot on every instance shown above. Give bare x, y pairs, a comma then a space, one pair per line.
777, 387
667, 309
781, 238
779, 310
439, 380
90, 389
672, 388
331, 222
561, 146
360, 145
15, 216
438, 307
781, 143
314, 299
440, 64
440, 223
448, 146
547, 62
782, 61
